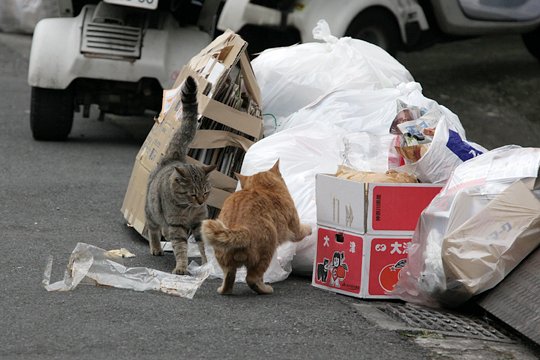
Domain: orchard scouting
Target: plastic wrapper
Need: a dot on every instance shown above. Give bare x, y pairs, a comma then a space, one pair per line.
390, 176
92, 265
476, 230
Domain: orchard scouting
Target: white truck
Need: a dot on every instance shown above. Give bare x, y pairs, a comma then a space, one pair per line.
116, 54
395, 25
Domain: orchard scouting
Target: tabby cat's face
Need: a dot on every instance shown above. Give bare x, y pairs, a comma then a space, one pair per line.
190, 186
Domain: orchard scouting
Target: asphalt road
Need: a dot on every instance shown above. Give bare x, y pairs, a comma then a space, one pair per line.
54, 195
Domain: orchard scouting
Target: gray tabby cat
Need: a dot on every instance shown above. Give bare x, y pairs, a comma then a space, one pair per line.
177, 191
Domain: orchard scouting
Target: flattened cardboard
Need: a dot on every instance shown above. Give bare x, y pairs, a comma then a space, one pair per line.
210, 68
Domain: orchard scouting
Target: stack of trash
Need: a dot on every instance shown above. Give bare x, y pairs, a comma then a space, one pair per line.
347, 102
334, 103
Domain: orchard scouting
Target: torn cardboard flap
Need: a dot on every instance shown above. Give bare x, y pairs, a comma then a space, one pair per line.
225, 48
251, 83
209, 139
231, 117
230, 122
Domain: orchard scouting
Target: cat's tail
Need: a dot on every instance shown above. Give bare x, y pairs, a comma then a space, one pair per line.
178, 146
215, 233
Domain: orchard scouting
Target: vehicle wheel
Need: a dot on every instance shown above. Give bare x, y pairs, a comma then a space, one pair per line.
532, 42
378, 27
51, 113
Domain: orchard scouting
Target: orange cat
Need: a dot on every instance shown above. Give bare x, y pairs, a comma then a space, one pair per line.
251, 225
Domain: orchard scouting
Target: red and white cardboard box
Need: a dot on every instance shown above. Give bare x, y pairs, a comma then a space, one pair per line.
359, 265
395, 208
381, 208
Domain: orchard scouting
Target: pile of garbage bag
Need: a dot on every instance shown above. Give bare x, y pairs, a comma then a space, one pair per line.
347, 102
334, 102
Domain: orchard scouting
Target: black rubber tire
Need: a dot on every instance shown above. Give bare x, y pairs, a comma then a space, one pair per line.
51, 114
377, 26
532, 42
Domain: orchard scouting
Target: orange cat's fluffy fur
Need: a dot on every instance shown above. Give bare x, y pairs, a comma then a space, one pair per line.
251, 225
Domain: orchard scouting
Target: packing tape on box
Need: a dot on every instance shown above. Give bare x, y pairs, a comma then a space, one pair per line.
214, 139
228, 116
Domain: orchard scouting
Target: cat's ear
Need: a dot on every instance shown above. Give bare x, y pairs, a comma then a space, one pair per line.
208, 169
180, 171
275, 168
241, 178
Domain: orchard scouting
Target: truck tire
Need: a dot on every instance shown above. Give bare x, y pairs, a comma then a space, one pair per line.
376, 26
532, 42
51, 113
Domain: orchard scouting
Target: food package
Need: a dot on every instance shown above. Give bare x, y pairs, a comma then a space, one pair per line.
390, 176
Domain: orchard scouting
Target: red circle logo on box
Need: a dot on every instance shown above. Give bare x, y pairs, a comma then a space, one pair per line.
388, 277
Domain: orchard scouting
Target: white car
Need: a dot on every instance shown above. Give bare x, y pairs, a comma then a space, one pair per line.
392, 24
387, 23
116, 54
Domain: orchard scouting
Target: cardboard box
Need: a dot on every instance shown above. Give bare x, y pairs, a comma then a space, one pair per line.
381, 208
359, 265
364, 230
231, 121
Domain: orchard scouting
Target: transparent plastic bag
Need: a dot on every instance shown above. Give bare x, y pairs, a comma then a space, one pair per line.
90, 264
476, 230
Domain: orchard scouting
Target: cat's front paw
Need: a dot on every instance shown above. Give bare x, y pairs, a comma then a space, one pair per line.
180, 271
156, 252
306, 229
223, 291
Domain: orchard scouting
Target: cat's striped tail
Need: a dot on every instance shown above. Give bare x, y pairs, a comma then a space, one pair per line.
178, 146
215, 233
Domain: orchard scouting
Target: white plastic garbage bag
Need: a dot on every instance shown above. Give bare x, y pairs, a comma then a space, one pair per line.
293, 77
476, 230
